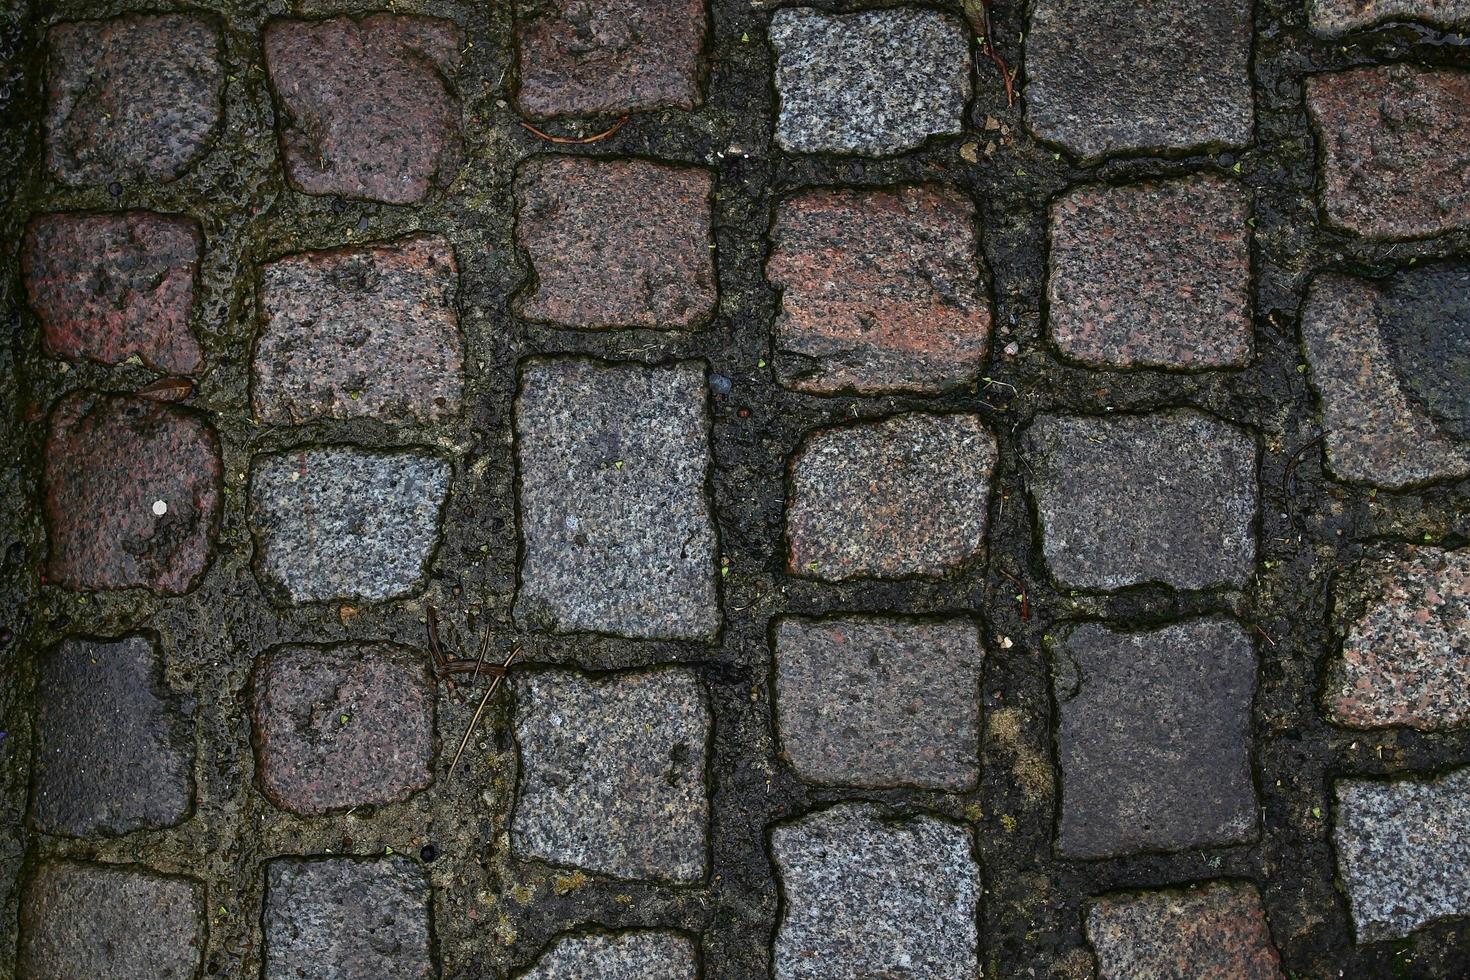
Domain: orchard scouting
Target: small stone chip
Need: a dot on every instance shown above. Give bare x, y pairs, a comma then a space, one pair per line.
633, 955
1213, 931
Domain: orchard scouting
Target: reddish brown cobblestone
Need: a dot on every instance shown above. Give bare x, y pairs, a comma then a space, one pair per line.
1215, 931
880, 291
132, 494
108, 286
360, 332
136, 97
1395, 148
616, 56
343, 726
1336, 17
1152, 275
366, 107
598, 262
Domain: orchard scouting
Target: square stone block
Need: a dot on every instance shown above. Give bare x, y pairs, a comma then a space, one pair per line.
1218, 929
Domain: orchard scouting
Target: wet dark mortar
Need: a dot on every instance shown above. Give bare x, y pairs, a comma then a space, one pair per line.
493, 913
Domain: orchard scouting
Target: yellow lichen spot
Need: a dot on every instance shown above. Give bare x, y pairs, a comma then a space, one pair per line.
1008, 822
523, 894
569, 883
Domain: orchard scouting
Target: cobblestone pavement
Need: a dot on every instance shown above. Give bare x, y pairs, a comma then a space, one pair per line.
942, 538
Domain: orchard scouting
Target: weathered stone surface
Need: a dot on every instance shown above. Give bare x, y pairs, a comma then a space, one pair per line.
360, 332
1424, 320
880, 702
616, 528
877, 82
1165, 76
365, 106
338, 522
1215, 931
1376, 431
613, 773
881, 290
870, 896
1154, 737
110, 922
598, 263
135, 97
638, 955
345, 918
1395, 149
108, 286
1405, 657
112, 751
132, 494
1333, 18
1403, 851
908, 495
1125, 500
617, 56
1152, 275
342, 726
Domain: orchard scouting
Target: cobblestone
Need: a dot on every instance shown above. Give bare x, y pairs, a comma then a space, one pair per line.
876, 83
343, 918
1403, 851
1131, 499
112, 753
132, 494
108, 286
1154, 737
1393, 148
880, 291
613, 773
360, 332
908, 495
1166, 77
135, 97
1152, 275
641, 955
870, 896
1333, 18
882, 703
339, 522
1215, 931
366, 106
343, 726
616, 527
620, 56
110, 922
598, 263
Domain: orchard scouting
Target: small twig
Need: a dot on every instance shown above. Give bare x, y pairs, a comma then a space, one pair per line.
1288, 476
1025, 598
987, 48
484, 700
575, 140
1264, 635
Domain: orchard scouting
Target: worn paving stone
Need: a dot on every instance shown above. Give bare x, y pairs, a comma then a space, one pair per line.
108, 286
613, 776
112, 751
867, 895
1333, 18
1395, 149
338, 522
1152, 275
598, 264
907, 495
1403, 851
880, 702
616, 527
136, 97
368, 332
1166, 76
1214, 931
132, 494
1125, 500
110, 922
635, 955
345, 918
1154, 737
342, 726
366, 106
1424, 320
881, 290
1376, 431
619, 56
875, 83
